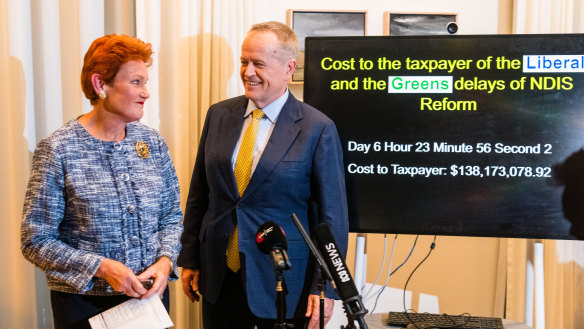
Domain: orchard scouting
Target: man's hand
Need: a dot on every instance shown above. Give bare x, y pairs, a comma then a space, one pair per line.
190, 283
313, 310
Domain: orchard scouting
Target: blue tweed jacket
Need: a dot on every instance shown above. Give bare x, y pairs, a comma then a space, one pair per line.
88, 199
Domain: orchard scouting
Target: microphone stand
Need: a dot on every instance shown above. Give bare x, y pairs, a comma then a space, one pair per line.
355, 311
325, 274
281, 264
321, 288
280, 301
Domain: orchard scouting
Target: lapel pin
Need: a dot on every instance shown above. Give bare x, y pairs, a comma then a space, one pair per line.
142, 149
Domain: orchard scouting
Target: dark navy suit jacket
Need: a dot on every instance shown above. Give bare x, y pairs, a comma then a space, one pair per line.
301, 165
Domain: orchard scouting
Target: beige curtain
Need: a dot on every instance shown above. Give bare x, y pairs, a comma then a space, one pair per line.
197, 48
548, 16
42, 42
39, 72
563, 260
17, 295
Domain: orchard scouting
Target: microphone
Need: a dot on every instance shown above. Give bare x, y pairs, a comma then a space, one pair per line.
319, 259
270, 239
345, 285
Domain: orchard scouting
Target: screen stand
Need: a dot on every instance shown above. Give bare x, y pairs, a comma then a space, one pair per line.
360, 269
534, 286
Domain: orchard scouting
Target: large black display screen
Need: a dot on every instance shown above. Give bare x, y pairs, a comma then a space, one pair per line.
452, 135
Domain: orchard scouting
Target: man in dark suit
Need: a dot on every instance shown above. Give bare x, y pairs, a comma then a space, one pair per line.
296, 162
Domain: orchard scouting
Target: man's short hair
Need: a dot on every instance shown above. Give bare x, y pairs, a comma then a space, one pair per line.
285, 35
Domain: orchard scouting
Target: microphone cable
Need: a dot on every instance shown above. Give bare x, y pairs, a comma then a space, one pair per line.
411, 251
387, 278
390, 273
366, 295
432, 246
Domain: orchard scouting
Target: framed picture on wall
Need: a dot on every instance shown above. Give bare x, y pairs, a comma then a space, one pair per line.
417, 23
312, 23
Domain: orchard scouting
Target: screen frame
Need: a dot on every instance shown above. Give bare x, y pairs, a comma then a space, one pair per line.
310, 91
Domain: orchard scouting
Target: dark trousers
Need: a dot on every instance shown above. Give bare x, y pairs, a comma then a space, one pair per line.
231, 310
72, 311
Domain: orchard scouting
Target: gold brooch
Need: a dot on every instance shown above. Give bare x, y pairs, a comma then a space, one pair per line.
142, 149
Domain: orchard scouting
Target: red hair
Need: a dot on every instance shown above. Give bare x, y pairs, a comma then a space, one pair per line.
106, 55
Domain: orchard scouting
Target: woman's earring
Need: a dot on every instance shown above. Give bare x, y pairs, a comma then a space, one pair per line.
102, 94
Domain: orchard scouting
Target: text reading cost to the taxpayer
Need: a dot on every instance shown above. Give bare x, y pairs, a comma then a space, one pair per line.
453, 170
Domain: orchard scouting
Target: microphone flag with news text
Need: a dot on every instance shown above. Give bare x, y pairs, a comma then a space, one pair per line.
341, 276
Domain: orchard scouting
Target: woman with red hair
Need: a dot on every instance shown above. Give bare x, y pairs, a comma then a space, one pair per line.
101, 214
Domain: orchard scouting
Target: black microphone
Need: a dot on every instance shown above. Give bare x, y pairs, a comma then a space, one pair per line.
346, 288
319, 259
270, 239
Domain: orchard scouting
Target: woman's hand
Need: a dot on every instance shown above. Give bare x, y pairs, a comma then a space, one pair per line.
158, 271
121, 278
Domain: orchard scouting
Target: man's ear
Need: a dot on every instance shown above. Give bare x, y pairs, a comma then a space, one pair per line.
290, 68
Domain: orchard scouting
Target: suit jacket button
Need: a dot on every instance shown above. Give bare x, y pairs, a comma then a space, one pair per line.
225, 236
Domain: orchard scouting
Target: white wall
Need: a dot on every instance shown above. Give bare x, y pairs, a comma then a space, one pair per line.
476, 17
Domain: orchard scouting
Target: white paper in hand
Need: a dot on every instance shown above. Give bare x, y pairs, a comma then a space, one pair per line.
134, 313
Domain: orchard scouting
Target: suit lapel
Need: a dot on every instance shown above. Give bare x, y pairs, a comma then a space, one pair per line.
231, 125
282, 137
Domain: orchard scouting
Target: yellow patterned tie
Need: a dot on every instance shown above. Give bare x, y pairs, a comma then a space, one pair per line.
242, 175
